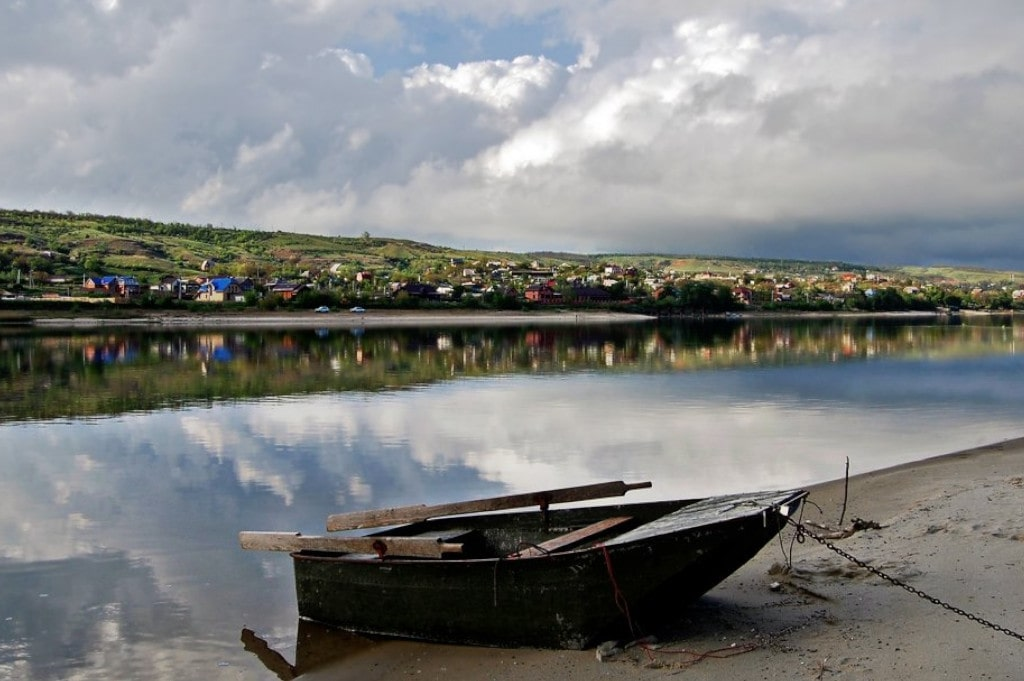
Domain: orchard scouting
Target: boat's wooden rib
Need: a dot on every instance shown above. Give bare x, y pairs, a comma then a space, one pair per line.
570, 539
411, 514
414, 547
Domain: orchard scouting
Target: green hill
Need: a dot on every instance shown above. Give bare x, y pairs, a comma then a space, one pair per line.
74, 245
67, 243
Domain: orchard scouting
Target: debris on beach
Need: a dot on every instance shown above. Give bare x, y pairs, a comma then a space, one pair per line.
607, 650
856, 525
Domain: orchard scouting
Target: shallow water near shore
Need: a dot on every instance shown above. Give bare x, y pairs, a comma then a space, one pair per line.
133, 458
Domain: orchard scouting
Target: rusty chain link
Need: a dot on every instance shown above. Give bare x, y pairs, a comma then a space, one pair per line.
802, 532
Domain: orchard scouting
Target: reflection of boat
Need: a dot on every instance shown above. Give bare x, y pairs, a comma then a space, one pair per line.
554, 578
316, 646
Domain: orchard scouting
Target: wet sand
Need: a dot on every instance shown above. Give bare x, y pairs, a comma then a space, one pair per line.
951, 527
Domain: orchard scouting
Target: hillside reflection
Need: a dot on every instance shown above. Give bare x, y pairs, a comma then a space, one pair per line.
99, 373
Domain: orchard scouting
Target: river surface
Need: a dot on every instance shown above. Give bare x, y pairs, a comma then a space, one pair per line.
131, 459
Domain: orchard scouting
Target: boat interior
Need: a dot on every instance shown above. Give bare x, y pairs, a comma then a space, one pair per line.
527, 534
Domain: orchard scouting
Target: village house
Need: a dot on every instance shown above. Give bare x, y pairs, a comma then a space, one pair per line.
171, 285
848, 282
114, 285
743, 294
533, 274
544, 294
287, 289
590, 294
414, 289
224, 290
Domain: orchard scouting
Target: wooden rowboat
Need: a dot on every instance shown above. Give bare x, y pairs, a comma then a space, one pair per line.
565, 578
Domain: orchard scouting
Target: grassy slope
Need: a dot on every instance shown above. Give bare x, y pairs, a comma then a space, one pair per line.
150, 249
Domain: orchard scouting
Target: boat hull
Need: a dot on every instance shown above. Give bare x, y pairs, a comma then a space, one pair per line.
571, 600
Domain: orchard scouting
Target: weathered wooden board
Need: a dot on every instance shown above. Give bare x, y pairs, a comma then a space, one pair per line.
419, 547
411, 514
570, 539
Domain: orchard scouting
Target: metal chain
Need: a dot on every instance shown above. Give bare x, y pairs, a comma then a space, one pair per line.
802, 531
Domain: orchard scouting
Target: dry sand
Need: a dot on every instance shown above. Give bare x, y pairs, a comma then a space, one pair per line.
952, 527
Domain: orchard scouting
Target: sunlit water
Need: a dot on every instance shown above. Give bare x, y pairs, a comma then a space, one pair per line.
118, 534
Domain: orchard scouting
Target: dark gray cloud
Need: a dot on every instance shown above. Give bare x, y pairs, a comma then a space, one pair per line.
992, 245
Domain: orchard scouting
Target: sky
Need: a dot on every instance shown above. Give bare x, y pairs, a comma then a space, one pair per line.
866, 131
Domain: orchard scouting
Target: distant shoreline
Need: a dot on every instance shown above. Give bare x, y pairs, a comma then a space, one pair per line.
374, 318
344, 320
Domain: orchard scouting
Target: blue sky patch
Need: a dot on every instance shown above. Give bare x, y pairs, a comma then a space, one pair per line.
436, 39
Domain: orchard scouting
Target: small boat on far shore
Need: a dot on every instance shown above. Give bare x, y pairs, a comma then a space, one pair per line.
566, 578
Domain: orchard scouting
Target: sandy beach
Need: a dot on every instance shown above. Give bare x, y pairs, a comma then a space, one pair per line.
951, 527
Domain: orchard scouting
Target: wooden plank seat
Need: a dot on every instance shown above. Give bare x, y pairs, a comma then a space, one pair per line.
568, 540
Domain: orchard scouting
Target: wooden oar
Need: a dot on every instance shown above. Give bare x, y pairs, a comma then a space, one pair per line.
411, 514
419, 547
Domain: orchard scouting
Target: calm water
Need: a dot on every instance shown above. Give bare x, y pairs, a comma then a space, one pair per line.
131, 459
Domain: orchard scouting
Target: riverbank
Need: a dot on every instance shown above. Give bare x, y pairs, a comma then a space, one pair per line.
376, 318
341, 320
950, 526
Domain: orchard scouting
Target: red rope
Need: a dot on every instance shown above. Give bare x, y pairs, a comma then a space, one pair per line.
623, 605
620, 598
